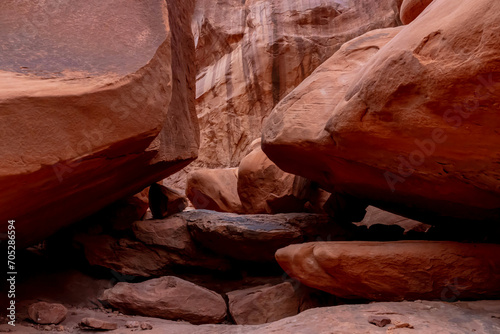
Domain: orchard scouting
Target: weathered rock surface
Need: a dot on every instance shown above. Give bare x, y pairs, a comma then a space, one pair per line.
171, 233
254, 237
87, 116
98, 324
165, 201
264, 188
394, 134
425, 316
391, 271
251, 54
263, 304
168, 298
45, 313
132, 257
410, 9
214, 189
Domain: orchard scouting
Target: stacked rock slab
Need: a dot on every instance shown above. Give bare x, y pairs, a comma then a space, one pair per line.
87, 116
416, 127
394, 271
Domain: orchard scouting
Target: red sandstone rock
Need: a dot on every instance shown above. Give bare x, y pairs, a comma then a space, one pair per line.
391, 271
263, 304
416, 127
132, 257
410, 9
251, 54
254, 237
171, 233
214, 189
91, 115
97, 324
45, 313
262, 186
168, 298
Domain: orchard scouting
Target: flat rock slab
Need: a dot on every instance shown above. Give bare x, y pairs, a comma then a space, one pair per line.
253, 237
136, 258
93, 324
168, 297
393, 271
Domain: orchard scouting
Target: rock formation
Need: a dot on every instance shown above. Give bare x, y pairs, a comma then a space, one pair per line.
214, 189
254, 237
91, 115
168, 298
45, 313
394, 134
263, 304
394, 271
410, 9
251, 54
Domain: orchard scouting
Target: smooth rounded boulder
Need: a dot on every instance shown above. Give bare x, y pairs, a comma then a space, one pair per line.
168, 297
46, 313
395, 271
214, 189
416, 127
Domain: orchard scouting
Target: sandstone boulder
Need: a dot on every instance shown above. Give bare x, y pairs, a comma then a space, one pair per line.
165, 201
132, 257
254, 237
264, 188
395, 133
391, 271
87, 115
168, 298
214, 189
171, 232
45, 313
263, 304
410, 9
97, 324
251, 54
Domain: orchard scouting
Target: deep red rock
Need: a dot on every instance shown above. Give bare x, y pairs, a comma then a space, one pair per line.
415, 127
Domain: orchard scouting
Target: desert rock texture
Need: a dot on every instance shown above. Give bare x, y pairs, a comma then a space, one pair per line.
251, 54
256, 166
90, 115
416, 126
